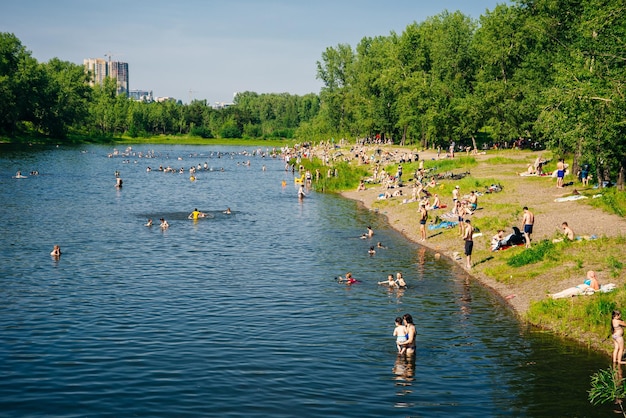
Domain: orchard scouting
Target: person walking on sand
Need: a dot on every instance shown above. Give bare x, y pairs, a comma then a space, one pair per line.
469, 242
528, 220
617, 333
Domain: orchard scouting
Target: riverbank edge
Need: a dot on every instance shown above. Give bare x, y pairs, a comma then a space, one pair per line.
512, 296
444, 251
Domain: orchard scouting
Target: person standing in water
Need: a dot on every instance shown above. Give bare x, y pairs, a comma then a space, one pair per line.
617, 333
407, 320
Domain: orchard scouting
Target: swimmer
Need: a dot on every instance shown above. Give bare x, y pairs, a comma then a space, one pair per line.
301, 193
227, 211
149, 223
119, 182
56, 251
370, 232
371, 251
196, 214
400, 280
380, 245
390, 281
348, 279
164, 224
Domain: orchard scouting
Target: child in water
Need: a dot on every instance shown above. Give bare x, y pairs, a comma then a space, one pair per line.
400, 332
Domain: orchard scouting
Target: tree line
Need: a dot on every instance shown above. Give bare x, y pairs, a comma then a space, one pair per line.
547, 72
54, 100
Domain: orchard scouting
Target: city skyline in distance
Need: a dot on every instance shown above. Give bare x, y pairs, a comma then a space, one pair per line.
210, 50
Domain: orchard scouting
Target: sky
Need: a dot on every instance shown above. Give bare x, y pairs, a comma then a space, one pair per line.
212, 49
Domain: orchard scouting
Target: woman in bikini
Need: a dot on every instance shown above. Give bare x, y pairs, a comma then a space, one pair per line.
410, 328
617, 329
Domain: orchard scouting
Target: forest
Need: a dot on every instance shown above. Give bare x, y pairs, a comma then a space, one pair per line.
541, 73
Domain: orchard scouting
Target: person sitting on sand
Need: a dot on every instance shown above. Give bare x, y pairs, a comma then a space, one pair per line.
588, 287
497, 241
569, 234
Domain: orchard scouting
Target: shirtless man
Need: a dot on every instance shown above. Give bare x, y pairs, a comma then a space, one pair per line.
528, 221
560, 173
390, 281
569, 234
473, 200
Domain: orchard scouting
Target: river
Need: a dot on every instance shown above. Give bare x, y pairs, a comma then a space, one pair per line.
240, 314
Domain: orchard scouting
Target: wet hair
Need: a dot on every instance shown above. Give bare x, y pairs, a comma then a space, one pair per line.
398, 320
408, 318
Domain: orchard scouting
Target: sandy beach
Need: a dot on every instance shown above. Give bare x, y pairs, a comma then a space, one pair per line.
538, 193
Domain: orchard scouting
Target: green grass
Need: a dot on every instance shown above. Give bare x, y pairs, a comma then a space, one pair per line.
578, 316
538, 252
611, 201
347, 176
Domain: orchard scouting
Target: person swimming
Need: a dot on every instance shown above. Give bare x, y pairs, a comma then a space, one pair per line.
349, 280
196, 214
56, 251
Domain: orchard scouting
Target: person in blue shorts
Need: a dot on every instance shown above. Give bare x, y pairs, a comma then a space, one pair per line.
528, 221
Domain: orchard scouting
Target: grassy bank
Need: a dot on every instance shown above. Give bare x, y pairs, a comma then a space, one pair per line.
546, 267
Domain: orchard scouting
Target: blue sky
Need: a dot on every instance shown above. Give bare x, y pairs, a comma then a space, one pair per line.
211, 49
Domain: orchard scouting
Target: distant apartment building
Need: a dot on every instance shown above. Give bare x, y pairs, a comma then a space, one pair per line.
101, 69
141, 95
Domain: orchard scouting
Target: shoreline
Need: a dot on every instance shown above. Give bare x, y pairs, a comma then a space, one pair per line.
517, 287
412, 234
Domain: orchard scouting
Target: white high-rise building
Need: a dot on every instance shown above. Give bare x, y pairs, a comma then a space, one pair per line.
101, 69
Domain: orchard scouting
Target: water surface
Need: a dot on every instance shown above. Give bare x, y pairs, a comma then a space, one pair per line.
240, 315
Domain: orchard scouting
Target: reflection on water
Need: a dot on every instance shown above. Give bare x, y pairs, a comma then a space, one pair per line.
241, 315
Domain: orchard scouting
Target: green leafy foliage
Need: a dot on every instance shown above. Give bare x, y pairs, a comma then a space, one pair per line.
538, 252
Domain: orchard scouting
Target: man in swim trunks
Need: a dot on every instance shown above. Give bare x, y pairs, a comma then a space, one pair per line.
528, 221
469, 242
560, 173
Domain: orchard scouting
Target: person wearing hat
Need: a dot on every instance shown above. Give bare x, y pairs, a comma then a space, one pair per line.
469, 242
